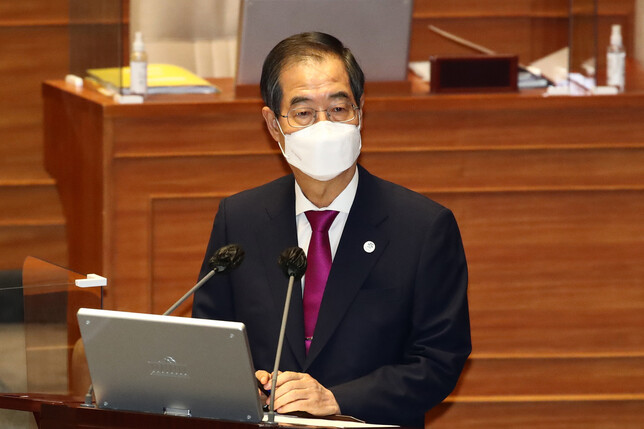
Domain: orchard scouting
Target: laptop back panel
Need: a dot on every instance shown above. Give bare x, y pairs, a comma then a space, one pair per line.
376, 31
172, 365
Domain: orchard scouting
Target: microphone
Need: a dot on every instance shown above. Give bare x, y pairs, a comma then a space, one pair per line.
224, 259
293, 264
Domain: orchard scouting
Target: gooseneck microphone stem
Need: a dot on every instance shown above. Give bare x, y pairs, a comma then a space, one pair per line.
190, 292
293, 264
278, 354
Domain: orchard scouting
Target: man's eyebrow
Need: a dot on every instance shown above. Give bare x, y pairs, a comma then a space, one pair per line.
340, 94
335, 95
296, 100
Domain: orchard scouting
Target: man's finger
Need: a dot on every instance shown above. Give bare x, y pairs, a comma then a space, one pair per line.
262, 376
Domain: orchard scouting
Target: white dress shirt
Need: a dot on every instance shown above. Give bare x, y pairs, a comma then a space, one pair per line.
342, 204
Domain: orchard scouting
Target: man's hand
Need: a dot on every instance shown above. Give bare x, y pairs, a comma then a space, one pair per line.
296, 391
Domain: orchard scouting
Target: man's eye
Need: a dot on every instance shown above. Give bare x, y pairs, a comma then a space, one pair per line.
338, 109
302, 114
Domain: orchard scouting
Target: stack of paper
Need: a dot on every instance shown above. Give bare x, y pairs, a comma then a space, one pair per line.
162, 79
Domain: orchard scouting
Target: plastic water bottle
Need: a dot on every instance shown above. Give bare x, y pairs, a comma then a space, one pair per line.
138, 66
616, 60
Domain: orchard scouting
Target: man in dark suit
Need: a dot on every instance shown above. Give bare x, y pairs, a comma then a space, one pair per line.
389, 334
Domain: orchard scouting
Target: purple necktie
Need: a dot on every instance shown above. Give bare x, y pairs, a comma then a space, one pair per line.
318, 263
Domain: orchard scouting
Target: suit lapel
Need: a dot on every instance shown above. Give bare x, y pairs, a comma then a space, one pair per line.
278, 234
352, 263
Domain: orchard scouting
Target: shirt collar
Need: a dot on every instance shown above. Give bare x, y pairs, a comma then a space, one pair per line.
342, 202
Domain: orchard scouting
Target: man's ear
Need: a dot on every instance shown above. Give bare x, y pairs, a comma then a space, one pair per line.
271, 123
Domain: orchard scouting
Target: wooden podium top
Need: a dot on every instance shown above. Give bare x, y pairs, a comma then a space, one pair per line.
63, 411
33, 402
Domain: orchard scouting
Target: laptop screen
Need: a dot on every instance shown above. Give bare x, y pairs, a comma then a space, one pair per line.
376, 31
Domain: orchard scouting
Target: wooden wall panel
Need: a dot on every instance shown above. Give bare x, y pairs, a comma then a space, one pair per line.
528, 28
146, 202
170, 244
500, 121
47, 242
33, 47
23, 204
566, 263
219, 133
510, 170
572, 413
28, 55
486, 8
552, 375
34, 12
532, 38
31, 223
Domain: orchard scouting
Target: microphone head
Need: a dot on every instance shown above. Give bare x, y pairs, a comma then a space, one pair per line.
293, 262
226, 258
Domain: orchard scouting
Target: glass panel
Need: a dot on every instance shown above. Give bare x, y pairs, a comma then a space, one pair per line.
98, 36
42, 351
198, 35
582, 65
13, 366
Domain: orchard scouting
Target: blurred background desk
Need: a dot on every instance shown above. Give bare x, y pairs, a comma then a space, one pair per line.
548, 192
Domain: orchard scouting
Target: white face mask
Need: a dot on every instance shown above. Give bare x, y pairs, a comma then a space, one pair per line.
323, 150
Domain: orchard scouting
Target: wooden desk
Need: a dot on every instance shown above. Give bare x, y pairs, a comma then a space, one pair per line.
548, 192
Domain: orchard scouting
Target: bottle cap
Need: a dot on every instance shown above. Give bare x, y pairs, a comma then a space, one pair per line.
616, 35
138, 45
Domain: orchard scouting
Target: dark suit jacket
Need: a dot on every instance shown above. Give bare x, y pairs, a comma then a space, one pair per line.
393, 329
